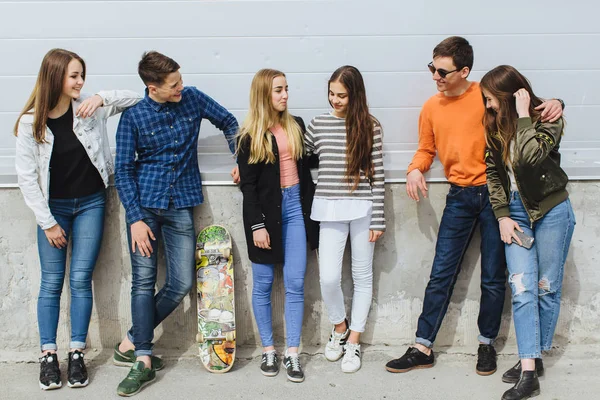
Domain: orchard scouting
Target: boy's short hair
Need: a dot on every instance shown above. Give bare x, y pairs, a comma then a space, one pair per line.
154, 67
458, 48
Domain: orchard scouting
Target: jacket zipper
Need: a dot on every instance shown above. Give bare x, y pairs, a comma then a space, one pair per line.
522, 199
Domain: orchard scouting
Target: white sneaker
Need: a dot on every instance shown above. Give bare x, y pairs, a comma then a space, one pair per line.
351, 360
334, 349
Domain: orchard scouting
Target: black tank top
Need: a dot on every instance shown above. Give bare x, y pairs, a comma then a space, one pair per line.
72, 173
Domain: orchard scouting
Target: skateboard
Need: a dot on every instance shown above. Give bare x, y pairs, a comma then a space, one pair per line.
216, 309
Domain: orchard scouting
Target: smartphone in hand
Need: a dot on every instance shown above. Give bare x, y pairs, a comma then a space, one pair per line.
526, 240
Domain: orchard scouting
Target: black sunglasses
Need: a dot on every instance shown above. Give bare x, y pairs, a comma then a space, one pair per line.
441, 72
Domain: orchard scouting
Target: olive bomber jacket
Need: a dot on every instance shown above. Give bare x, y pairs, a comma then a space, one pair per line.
536, 165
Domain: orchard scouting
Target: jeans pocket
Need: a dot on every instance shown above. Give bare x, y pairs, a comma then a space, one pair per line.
455, 191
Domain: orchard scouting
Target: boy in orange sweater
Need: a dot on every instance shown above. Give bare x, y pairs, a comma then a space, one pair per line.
451, 125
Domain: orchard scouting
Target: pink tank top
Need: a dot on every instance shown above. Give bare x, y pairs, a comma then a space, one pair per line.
288, 171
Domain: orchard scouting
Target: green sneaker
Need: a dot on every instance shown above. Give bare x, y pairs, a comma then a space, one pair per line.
127, 359
136, 379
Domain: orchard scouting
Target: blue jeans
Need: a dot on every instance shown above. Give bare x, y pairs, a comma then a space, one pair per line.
294, 269
176, 228
536, 275
83, 220
465, 208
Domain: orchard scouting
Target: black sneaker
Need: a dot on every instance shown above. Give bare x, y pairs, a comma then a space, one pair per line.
77, 375
49, 372
514, 374
486, 360
412, 359
293, 367
269, 365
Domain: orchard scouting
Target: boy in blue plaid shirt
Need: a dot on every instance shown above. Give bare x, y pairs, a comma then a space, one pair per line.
158, 181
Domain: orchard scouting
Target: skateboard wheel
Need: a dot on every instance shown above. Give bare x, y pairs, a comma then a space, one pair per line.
199, 337
226, 253
230, 336
198, 255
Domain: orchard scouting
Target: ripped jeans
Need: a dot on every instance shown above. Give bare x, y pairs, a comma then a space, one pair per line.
536, 275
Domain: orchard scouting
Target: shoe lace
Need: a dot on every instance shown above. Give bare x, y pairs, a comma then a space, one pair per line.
412, 353
270, 358
337, 339
294, 362
486, 353
352, 351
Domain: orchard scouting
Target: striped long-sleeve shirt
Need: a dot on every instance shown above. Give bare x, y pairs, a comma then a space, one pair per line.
326, 137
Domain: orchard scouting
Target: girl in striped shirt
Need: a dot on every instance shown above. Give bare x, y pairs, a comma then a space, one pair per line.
349, 200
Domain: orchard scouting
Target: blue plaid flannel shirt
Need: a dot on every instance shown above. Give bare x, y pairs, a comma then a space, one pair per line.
157, 151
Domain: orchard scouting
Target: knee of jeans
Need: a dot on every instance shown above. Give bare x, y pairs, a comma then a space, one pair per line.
80, 282
330, 281
294, 286
362, 275
186, 287
142, 283
517, 284
545, 286
50, 288
183, 287
262, 288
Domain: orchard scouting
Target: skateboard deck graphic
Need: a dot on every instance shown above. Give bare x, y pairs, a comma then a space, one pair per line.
216, 305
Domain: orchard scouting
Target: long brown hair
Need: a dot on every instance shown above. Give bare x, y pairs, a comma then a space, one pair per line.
502, 82
47, 90
359, 125
262, 116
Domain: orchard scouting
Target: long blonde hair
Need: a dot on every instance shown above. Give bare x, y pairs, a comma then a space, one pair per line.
47, 90
261, 117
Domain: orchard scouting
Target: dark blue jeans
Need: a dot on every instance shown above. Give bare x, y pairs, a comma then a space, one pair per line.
82, 219
465, 208
176, 229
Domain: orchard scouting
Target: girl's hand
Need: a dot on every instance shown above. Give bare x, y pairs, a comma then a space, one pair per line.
89, 106
507, 230
56, 236
235, 174
374, 235
522, 102
261, 239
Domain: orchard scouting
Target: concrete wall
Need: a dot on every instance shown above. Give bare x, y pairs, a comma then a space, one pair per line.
402, 265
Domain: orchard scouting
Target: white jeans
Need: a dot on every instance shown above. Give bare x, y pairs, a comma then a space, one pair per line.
332, 242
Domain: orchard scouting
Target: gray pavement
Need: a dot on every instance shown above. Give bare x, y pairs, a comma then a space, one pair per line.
571, 374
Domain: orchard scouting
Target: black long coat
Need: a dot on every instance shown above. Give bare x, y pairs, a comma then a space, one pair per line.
260, 185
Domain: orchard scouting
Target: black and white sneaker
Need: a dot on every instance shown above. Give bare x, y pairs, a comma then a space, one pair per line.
49, 372
269, 365
77, 375
293, 367
334, 349
351, 361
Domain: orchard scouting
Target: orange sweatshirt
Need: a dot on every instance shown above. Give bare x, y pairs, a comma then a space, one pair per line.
453, 127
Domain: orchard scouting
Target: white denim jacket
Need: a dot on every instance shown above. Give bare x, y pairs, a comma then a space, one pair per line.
32, 159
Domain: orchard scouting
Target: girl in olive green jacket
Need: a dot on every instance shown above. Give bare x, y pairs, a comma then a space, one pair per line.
528, 195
